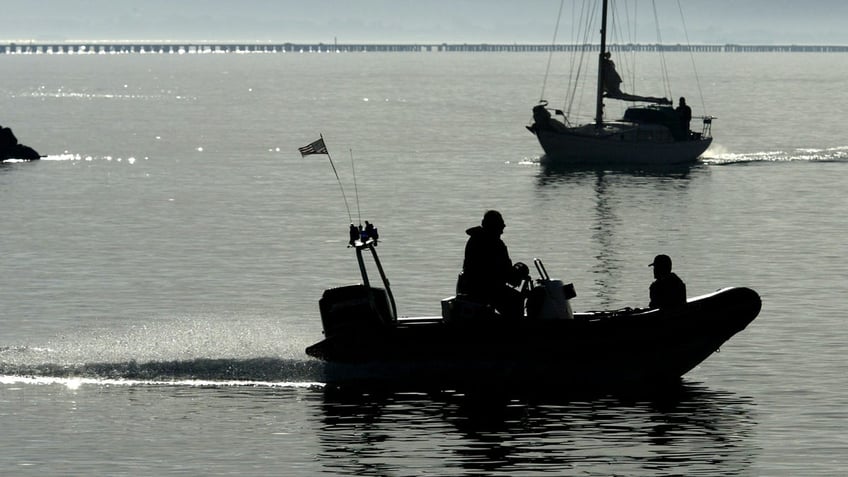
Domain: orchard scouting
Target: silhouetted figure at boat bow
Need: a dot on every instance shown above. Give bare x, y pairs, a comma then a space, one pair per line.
667, 290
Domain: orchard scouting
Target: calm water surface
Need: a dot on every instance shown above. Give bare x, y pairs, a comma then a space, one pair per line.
161, 267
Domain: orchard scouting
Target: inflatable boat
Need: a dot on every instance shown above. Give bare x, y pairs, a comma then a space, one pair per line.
364, 339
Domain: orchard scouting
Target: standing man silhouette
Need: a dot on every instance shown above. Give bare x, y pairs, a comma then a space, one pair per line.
684, 112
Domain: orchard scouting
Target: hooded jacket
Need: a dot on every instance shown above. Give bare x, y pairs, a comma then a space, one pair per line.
487, 266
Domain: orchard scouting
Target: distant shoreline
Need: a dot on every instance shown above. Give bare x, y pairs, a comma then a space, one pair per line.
176, 47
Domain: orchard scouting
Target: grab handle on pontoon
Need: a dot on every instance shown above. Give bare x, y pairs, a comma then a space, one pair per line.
541, 269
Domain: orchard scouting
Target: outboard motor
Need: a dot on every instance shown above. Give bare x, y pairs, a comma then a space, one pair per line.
354, 307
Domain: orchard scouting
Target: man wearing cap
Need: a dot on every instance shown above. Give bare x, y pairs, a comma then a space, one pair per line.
487, 267
668, 290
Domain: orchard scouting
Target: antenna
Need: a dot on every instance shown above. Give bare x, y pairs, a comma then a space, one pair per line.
355, 188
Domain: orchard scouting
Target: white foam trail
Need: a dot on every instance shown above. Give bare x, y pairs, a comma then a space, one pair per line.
717, 154
67, 156
75, 383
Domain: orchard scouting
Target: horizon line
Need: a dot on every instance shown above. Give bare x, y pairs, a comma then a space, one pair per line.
73, 42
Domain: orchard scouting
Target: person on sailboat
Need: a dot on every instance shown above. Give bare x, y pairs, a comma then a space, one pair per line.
612, 81
667, 290
612, 84
487, 268
542, 119
684, 112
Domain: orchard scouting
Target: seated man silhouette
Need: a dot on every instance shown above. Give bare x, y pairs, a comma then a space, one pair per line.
612, 84
612, 80
487, 269
667, 290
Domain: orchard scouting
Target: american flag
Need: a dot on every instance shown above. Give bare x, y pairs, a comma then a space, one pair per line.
316, 147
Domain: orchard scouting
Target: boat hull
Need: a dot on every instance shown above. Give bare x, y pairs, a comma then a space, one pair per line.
601, 349
565, 147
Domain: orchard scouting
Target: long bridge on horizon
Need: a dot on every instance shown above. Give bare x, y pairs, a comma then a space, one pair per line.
98, 47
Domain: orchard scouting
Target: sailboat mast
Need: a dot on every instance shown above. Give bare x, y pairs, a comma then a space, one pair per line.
599, 105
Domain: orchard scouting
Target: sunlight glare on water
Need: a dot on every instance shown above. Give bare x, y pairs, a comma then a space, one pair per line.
162, 265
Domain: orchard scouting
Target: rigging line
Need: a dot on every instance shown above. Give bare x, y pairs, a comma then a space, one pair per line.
619, 35
551, 54
572, 57
662, 53
632, 38
586, 18
692, 58
573, 75
575, 40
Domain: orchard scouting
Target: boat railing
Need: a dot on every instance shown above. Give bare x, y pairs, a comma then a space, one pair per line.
707, 129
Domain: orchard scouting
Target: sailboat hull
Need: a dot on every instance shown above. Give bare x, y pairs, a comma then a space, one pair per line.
566, 146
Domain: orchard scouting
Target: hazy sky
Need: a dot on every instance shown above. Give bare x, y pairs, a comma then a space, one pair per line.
409, 21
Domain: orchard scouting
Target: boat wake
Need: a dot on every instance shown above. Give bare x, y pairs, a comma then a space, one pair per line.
716, 155
123, 94
86, 158
71, 157
202, 372
197, 350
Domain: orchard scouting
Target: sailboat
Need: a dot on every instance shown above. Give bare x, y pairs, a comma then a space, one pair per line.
652, 132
